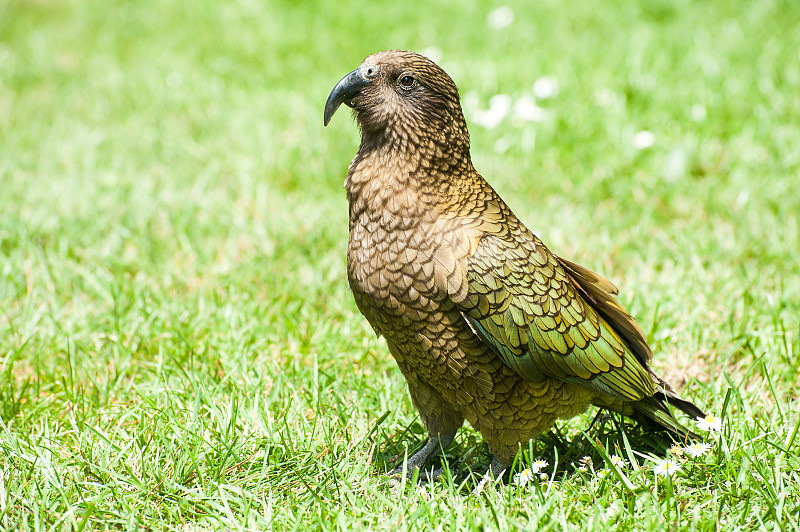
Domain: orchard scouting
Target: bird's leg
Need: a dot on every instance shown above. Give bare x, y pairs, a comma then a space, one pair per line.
497, 468
494, 474
420, 458
600, 417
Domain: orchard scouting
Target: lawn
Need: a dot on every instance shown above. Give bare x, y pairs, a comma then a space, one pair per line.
179, 349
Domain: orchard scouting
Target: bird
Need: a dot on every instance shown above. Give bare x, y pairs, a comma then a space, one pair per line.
485, 323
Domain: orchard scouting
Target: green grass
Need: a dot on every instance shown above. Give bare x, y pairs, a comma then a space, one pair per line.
178, 345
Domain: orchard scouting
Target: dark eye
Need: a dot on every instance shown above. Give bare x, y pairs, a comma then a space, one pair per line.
407, 82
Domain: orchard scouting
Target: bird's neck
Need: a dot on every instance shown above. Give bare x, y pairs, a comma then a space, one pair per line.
421, 173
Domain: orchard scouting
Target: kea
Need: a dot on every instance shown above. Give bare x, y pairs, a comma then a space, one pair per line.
484, 321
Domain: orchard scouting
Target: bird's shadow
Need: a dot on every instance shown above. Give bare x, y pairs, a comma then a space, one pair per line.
467, 459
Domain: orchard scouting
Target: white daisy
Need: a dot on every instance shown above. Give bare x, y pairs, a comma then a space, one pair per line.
698, 449
500, 18
643, 140
667, 468
710, 423
525, 109
698, 112
523, 477
538, 465
499, 107
545, 87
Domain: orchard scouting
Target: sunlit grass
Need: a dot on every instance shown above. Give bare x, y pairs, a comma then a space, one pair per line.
178, 345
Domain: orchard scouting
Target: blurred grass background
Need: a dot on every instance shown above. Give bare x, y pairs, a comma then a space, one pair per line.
178, 345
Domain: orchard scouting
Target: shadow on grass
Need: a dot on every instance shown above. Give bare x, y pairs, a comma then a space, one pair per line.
468, 457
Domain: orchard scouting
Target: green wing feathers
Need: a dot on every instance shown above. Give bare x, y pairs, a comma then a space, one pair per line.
550, 318
600, 292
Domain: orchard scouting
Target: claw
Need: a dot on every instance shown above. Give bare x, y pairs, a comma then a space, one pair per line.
432, 447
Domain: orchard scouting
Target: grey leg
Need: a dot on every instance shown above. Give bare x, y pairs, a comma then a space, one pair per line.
428, 451
497, 468
494, 474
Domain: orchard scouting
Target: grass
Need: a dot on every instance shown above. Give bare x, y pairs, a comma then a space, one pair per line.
178, 346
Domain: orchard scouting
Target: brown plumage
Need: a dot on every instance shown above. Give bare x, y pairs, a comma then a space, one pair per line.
485, 323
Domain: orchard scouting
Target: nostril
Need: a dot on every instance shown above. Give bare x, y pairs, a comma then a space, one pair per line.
369, 70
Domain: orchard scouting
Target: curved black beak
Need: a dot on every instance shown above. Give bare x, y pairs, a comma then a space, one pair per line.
343, 92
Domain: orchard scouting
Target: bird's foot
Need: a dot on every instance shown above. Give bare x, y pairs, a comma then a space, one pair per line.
430, 475
425, 475
431, 448
494, 474
497, 468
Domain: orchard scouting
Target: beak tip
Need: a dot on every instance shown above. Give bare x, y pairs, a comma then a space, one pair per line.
329, 112
347, 87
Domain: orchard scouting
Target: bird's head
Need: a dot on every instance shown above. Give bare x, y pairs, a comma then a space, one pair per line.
400, 96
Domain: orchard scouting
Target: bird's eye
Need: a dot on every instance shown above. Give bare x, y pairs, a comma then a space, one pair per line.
407, 82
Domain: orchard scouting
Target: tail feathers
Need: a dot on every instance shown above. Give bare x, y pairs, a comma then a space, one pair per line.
667, 393
655, 410
687, 407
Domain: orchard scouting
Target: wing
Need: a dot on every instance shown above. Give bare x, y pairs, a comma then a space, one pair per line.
599, 292
538, 316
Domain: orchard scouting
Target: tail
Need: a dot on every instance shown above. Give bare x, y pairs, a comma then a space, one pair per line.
655, 409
